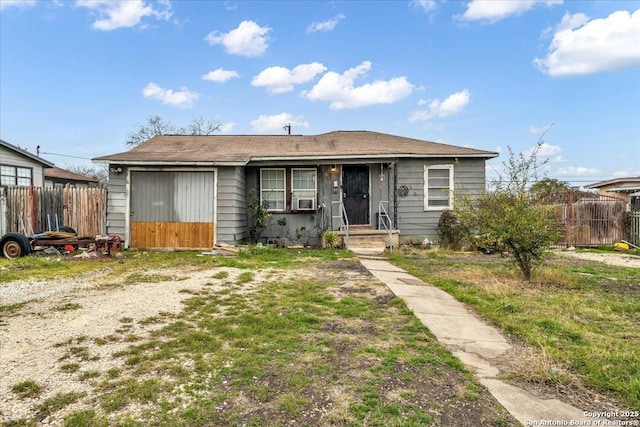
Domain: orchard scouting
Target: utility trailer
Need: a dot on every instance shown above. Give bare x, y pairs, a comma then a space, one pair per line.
16, 245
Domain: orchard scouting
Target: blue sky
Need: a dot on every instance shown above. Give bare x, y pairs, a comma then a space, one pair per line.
76, 77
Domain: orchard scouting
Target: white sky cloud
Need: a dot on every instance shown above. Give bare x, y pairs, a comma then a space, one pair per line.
452, 105
226, 127
326, 25
276, 123
220, 75
626, 173
545, 150
249, 39
425, 5
124, 13
578, 171
5, 4
183, 98
496, 10
339, 89
580, 46
281, 79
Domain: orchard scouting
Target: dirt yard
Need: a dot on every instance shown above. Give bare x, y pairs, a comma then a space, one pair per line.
64, 334
56, 323
615, 258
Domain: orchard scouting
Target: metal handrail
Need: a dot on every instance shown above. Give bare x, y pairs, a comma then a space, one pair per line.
382, 214
344, 221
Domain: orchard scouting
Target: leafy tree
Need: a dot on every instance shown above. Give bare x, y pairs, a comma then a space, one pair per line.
507, 213
156, 125
549, 190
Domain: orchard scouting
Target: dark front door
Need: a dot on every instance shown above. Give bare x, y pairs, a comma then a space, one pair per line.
355, 193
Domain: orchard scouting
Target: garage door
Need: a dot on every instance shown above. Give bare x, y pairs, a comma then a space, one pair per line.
172, 209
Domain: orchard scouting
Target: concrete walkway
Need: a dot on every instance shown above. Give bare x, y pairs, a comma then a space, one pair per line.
473, 341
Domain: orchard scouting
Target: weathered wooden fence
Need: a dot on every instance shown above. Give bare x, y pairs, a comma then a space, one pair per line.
592, 220
35, 209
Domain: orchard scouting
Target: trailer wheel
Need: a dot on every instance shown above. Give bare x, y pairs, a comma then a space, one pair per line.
14, 245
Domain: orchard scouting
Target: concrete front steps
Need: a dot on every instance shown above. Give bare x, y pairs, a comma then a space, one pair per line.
366, 241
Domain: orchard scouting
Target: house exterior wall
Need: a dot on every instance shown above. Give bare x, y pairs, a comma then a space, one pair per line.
414, 222
117, 204
236, 187
11, 158
231, 205
604, 191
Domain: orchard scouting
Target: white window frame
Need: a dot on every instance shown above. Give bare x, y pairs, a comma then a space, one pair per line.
282, 190
427, 189
304, 193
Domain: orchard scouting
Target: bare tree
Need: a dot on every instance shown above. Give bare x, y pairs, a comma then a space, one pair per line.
99, 171
156, 125
203, 126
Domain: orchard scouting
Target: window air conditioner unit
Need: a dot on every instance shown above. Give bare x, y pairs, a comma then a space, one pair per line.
305, 204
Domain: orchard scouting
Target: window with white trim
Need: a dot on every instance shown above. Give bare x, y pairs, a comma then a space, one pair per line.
14, 175
273, 188
303, 189
438, 187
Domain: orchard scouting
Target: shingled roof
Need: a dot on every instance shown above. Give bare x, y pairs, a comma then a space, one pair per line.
63, 174
243, 149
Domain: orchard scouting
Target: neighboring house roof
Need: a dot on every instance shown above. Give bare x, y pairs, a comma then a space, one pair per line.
65, 175
43, 162
620, 183
242, 149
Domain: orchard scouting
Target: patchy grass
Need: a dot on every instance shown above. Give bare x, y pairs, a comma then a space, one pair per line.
26, 389
67, 307
329, 346
582, 316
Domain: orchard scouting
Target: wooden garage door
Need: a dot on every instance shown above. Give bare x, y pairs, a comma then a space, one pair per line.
172, 209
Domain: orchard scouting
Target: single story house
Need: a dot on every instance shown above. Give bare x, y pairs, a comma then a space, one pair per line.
57, 177
627, 189
184, 191
20, 167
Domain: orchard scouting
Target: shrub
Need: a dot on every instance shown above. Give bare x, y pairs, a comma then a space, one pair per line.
452, 232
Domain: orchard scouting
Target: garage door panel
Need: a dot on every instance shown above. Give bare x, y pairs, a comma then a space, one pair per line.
171, 209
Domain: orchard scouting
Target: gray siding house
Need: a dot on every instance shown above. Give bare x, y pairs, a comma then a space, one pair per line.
18, 167
183, 191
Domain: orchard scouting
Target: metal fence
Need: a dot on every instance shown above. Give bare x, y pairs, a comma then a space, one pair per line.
35, 209
633, 228
590, 219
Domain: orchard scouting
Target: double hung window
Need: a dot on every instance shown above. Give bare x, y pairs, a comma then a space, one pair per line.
303, 189
438, 187
273, 188
277, 184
